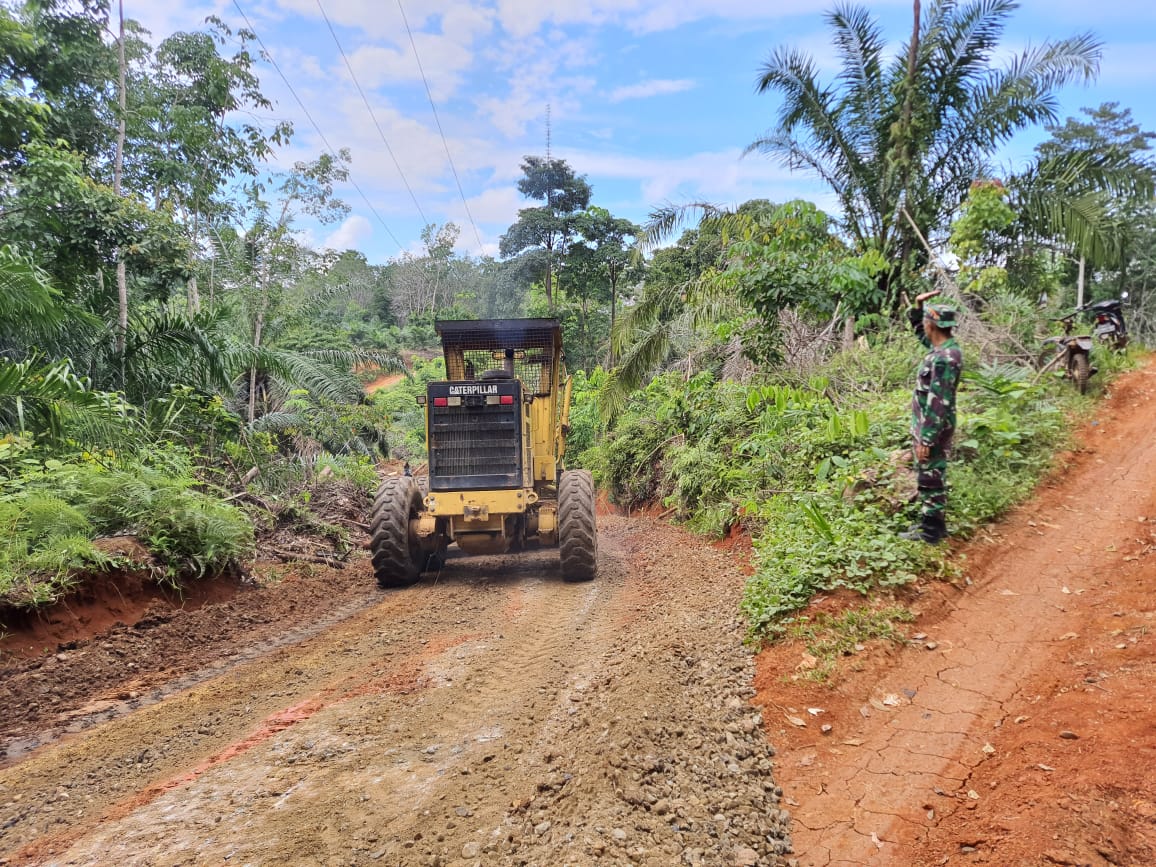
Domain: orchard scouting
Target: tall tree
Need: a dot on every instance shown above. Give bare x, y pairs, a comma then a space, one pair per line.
603, 260
57, 59
499, 289
274, 257
188, 139
546, 230
907, 136
1088, 189
427, 283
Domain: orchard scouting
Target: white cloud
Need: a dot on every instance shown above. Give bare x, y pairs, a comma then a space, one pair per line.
163, 19
654, 87
350, 234
494, 66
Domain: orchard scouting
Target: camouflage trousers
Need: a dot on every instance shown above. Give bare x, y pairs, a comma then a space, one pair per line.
931, 479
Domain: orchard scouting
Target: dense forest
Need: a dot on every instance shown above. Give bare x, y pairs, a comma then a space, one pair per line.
178, 365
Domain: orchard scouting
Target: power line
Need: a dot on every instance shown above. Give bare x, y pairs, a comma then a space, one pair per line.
369, 108
316, 128
438, 121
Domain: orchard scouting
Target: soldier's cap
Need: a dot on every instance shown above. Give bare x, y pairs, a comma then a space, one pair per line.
943, 315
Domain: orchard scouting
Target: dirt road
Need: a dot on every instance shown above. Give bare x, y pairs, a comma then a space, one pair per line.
1018, 726
496, 715
499, 716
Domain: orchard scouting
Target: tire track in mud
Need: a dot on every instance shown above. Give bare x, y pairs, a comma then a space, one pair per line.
452, 723
105, 709
544, 637
461, 716
148, 749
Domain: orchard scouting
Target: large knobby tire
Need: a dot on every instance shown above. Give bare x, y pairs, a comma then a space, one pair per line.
577, 533
1081, 371
397, 557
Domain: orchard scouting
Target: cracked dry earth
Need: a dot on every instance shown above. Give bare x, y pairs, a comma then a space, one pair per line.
496, 715
1017, 725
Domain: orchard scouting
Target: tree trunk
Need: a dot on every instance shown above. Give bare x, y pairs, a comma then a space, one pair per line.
613, 317
1080, 284
549, 281
901, 152
258, 327
194, 295
264, 274
121, 276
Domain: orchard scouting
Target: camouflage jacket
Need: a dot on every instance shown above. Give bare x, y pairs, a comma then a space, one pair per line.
933, 404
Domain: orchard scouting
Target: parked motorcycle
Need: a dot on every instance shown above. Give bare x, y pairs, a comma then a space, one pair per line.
1109, 321
1068, 352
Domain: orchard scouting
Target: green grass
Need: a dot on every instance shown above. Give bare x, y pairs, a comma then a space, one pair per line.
832, 637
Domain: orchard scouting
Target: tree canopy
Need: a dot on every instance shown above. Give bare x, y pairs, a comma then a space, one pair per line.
905, 136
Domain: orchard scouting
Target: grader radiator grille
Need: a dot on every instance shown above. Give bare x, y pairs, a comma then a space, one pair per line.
475, 437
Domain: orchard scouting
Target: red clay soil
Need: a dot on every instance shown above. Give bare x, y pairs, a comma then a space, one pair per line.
1017, 725
383, 381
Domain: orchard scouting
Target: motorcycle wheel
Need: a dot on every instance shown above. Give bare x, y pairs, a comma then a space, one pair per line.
1049, 352
1081, 370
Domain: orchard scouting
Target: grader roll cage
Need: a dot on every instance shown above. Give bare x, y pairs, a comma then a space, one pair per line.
495, 432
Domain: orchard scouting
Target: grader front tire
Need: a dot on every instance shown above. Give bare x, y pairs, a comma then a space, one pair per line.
397, 557
577, 533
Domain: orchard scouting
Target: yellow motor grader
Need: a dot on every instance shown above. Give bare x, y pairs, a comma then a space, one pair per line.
495, 433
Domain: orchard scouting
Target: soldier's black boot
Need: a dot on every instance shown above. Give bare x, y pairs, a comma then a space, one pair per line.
934, 528
931, 529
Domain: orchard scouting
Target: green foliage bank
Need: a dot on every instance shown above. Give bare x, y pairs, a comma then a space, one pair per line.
816, 467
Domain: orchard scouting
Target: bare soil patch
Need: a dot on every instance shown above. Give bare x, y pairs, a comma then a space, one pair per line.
386, 380
1016, 725
492, 714
495, 715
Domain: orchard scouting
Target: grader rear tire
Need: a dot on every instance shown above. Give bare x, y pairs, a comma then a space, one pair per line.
577, 533
397, 557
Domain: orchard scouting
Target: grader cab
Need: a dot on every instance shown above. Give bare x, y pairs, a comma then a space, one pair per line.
495, 433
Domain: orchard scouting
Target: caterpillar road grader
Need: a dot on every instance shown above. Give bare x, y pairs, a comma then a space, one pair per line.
495, 433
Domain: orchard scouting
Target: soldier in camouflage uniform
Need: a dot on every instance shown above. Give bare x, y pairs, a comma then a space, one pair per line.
933, 413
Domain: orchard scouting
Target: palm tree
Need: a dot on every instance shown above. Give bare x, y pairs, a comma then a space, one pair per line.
910, 133
1074, 201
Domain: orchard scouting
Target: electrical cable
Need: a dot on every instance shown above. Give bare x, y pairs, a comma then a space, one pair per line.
441, 132
317, 129
369, 108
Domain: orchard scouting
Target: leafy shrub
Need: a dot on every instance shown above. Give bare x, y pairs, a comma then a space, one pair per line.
823, 543
585, 425
45, 539
817, 466
192, 533
404, 418
51, 513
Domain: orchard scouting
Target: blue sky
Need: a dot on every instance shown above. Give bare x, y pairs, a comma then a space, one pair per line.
652, 101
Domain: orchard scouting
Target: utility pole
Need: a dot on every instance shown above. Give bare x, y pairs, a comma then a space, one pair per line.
550, 205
